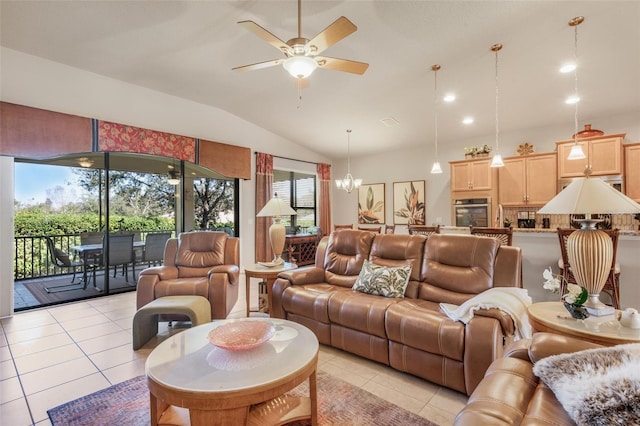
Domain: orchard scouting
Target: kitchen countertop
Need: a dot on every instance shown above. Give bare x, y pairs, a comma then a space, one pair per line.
534, 230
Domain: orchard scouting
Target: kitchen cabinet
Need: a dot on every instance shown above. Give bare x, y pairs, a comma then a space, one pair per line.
604, 156
632, 171
471, 175
529, 180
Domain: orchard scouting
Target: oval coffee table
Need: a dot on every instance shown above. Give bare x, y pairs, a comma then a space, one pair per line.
216, 386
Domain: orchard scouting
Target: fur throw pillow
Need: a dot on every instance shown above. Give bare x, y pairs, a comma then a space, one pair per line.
596, 386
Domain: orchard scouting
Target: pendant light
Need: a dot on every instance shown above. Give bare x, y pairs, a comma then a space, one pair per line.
435, 169
576, 150
496, 161
348, 184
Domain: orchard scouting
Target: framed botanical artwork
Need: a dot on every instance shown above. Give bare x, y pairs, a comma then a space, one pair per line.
371, 205
408, 202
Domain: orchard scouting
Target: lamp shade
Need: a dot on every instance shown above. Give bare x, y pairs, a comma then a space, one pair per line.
300, 66
590, 196
276, 207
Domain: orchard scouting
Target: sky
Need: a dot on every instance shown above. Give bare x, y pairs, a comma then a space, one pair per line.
33, 180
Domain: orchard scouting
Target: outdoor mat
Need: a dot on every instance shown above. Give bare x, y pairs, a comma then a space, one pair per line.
339, 403
36, 288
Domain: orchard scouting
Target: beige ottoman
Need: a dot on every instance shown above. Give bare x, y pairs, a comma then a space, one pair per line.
145, 320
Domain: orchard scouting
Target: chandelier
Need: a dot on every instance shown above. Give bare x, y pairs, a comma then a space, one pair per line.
348, 184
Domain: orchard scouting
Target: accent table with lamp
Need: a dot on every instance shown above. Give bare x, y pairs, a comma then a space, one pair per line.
268, 276
605, 330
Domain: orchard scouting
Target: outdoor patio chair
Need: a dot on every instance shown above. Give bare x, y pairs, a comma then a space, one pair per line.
154, 247
61, 259
120, 254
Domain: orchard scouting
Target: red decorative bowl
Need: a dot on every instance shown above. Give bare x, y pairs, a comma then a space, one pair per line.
241, 335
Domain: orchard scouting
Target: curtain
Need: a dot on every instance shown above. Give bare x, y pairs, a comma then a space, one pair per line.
324, 175
264, 181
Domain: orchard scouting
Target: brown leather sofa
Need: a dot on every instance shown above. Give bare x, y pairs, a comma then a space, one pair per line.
201, 263
510, 394
409, 334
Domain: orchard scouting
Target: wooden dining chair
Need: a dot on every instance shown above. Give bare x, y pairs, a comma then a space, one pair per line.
503, 235
424, 230
376, 229
611, 285
339, 227
389, 229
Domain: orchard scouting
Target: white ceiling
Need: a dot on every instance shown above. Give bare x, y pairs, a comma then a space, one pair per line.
187, 49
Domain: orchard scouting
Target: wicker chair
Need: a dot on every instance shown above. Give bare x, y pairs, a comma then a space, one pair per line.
423, 230
504, 235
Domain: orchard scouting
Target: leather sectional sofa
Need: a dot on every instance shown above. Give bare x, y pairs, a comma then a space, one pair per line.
511, 394
410, 334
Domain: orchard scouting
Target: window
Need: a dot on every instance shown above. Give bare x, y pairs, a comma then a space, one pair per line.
299, 190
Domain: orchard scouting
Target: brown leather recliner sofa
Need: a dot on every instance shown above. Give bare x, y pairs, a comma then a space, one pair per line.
510, 394
201, 263
410, 334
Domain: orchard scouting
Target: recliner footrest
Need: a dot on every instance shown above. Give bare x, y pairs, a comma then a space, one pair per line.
145, 320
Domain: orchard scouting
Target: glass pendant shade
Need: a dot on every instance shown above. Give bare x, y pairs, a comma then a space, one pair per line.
496, 161
300, 66
436, 169
576, 153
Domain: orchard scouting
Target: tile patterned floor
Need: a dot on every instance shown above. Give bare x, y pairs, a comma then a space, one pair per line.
53, 355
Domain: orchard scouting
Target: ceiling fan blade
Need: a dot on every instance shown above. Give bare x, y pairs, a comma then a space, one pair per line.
335, 32
266, 36
345, 65
259, 65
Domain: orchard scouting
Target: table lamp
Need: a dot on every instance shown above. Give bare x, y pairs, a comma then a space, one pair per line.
590, 250
275, 208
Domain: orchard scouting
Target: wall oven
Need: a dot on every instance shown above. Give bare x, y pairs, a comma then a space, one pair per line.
472, 212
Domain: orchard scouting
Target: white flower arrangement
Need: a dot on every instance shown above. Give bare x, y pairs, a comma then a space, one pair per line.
575, 295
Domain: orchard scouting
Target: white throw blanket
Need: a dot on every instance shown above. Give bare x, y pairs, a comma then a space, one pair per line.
513, 301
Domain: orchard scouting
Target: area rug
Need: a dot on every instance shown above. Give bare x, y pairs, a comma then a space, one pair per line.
127, 403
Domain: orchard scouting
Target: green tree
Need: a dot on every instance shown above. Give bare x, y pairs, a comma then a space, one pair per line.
212, 197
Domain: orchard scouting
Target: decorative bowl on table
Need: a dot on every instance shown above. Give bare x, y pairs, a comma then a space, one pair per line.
241, 335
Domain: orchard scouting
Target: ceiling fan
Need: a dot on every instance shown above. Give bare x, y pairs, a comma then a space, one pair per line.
301, 54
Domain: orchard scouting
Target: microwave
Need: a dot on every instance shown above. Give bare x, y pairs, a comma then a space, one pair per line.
615, 181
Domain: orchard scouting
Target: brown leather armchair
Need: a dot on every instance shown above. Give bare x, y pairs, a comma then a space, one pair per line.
199, 263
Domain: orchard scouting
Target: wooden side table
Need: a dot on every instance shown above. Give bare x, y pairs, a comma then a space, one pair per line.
268, 275
606, 330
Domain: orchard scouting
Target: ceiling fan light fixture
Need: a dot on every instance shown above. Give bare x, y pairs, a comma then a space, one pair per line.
174, 178
300, 66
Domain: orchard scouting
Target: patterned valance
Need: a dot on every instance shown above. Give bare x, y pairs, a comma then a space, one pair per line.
123, 138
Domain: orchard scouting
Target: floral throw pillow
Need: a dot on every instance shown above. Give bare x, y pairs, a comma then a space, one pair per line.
382, 280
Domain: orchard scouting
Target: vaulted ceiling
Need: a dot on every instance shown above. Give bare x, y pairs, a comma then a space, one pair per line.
188, 49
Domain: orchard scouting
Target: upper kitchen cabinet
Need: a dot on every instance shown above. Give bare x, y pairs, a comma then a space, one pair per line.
529, 180
632, 171
604, 156
471, 175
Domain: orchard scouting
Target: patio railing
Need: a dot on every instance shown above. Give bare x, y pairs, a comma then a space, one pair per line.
32, 258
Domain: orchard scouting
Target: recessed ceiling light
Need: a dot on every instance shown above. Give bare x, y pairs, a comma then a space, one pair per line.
450, 97
567, 68
467, 120
572, 100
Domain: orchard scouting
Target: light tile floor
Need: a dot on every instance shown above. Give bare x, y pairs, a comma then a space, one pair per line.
53, 355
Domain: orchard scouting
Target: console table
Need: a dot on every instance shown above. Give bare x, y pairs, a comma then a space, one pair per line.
302, 248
